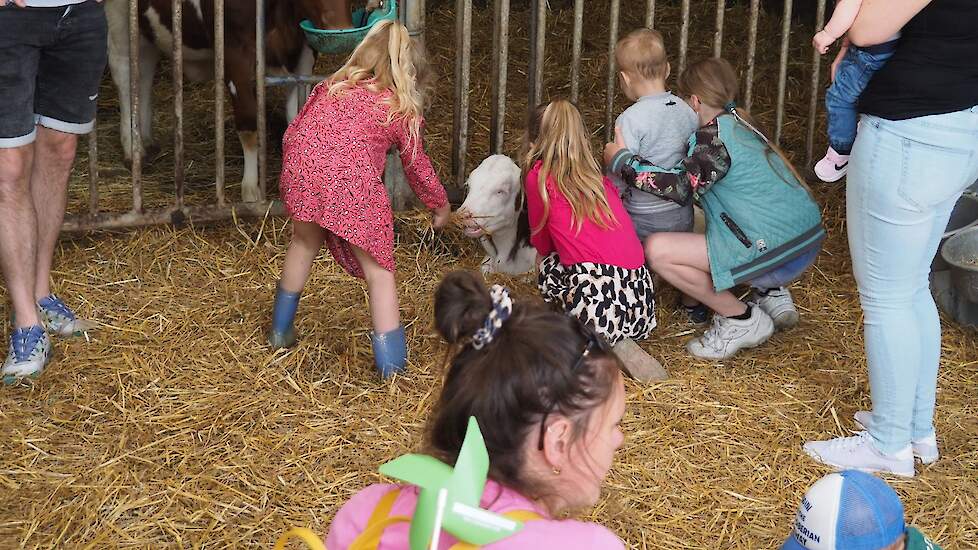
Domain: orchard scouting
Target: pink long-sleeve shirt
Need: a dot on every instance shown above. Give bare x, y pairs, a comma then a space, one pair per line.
618, 245
566, 534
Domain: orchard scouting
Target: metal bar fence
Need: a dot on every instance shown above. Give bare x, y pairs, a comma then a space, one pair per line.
576, 49
463, 62
500, 72
219, 100
783, 70
413, 16
609, 104
813, 101
260, 89
755, 6
178, 155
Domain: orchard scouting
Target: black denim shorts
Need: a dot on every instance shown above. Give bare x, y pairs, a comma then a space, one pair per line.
51, 64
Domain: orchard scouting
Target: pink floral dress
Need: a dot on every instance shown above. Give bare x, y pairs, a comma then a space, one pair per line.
333, 157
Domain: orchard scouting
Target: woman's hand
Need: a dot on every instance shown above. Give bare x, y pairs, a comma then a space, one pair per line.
441, 215
612, 149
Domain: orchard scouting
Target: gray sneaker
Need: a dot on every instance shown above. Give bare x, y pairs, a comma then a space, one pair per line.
727, 336
29, 353
58, 318
777, 303
925, 449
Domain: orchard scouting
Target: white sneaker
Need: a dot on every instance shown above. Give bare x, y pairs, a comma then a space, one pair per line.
727, 336
29, 353
925, 449
859, 453
776, 302
832, 167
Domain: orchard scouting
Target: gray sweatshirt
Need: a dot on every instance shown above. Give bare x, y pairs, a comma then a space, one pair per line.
657, 128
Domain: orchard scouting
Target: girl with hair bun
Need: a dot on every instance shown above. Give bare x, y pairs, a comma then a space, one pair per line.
548, 395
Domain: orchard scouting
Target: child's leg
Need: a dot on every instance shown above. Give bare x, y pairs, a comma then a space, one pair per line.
840, 103
307, 239
681, 259
388, 339
382, 292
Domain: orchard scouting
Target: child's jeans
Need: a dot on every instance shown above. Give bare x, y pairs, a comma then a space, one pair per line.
851, 77
904, 179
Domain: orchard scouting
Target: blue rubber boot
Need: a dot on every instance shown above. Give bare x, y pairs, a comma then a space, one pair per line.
390, 351
282, 334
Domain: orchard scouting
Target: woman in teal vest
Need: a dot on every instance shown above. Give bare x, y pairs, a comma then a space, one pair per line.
762, 226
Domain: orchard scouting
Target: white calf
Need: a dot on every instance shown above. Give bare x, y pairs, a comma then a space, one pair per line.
493, 212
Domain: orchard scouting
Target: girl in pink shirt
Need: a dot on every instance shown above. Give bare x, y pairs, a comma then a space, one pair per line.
548, 395
333, 157
590, 260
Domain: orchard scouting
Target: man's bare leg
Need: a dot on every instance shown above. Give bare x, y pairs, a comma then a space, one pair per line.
54, 154
18, 232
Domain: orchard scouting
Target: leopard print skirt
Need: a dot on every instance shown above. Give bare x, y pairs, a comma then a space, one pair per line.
617, 303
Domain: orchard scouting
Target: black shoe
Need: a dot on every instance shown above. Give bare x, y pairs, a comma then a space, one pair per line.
698, 314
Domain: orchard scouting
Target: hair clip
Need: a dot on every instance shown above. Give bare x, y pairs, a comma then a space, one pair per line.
502, 307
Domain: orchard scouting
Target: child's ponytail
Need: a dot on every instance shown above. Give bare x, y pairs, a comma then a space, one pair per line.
514, 363
388, 59
714, 82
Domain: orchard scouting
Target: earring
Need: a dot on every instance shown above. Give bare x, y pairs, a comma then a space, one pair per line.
556, 471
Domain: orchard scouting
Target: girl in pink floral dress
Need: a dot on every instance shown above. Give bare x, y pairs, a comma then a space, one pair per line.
333, 157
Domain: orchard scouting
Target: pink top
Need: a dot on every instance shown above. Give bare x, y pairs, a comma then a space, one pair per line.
333, 158
566, 534
618, 245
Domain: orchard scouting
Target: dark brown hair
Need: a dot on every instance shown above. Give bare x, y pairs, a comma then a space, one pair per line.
532, 367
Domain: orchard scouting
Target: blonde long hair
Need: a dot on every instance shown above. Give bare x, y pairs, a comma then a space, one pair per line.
714, 82
387, 59
556, 136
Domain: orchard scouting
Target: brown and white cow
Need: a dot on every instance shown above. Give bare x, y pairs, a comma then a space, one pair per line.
286, 53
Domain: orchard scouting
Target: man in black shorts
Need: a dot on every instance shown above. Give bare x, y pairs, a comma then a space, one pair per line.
52, 56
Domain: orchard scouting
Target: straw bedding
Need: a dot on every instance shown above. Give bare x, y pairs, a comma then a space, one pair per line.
176, 427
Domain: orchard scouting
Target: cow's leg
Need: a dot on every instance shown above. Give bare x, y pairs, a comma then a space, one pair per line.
119, 67
304, 68
241, 86
149, 56
117, 17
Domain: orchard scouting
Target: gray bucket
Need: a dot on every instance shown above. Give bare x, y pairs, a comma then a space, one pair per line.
964, 216
961, 254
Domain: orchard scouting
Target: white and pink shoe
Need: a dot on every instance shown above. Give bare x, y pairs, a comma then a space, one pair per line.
832, 167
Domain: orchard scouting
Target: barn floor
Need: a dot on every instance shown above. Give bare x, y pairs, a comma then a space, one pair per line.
176, 427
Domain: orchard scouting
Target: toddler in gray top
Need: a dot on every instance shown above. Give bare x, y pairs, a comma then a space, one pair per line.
656, 127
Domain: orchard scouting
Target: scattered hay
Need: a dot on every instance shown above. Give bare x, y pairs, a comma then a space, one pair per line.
177, 427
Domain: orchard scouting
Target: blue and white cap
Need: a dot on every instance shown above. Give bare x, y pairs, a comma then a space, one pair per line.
848, 510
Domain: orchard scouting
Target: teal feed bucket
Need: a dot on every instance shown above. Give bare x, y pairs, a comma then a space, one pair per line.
345, 40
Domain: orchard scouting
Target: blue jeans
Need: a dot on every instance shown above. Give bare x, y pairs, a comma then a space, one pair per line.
841, 100
904, 178
788, 272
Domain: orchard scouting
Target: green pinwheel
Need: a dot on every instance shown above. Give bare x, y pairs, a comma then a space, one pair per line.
449, 498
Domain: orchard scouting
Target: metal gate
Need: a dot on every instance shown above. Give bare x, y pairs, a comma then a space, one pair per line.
412, 15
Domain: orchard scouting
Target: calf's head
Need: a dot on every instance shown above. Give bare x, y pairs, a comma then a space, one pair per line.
494, 198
